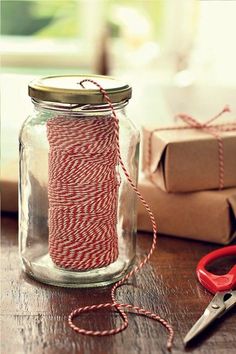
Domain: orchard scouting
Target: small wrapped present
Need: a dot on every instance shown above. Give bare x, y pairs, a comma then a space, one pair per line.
206, 215
197, 156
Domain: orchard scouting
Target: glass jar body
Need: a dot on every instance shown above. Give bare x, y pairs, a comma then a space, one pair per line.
44, 233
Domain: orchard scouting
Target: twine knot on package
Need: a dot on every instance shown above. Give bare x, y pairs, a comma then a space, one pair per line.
209, 128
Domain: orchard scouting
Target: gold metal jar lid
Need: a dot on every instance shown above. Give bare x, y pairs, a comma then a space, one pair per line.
67, 89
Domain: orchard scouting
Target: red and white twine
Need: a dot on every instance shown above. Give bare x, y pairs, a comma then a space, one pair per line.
83, 190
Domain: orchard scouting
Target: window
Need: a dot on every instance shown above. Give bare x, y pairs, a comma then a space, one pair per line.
71, 33
113, 36
44, 34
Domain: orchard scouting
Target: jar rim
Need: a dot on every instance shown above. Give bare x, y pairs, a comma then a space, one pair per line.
67, 89
77, 108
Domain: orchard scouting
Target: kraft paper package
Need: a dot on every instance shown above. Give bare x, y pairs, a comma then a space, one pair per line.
187, 160
206, 215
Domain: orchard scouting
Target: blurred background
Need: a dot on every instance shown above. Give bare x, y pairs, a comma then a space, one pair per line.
178, 55
181, 40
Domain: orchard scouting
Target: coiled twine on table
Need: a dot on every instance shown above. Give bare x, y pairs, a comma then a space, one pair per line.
83, 192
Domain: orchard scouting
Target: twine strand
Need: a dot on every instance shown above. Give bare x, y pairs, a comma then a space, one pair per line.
120, 307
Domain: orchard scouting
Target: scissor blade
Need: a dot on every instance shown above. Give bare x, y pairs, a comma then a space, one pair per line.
220, 304
204, 321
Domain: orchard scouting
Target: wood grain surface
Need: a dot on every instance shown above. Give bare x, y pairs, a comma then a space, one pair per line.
34, 315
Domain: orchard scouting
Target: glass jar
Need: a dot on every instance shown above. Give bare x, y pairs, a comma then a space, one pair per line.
77, 209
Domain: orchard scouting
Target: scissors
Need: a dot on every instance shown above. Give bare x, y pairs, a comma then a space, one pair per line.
220, 285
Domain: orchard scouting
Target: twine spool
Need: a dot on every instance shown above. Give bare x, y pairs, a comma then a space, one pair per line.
83, 192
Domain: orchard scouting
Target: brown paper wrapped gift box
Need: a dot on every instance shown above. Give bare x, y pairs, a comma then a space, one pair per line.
207, 215
187, 160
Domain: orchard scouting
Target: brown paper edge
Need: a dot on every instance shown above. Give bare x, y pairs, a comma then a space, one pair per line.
158, 148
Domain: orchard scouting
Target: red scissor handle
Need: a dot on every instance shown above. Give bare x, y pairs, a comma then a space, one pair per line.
213, 282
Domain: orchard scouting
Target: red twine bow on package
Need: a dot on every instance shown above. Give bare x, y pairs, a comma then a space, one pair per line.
82, 190
214, 129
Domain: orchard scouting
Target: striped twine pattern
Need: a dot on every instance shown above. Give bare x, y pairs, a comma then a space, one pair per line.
63, 251
82, 191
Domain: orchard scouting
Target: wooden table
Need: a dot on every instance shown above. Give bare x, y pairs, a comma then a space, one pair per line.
34, 315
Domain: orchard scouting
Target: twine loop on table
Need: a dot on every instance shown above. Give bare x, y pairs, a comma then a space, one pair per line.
120, 307
209, 127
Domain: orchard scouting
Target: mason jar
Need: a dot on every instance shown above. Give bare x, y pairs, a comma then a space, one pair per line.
77, 223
